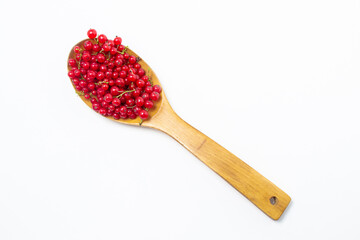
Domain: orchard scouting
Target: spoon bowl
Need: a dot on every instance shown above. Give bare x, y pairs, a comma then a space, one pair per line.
259, 190
157, 105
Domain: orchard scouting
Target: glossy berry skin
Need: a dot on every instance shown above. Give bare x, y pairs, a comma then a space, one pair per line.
76, 49
100, 58
148, 89
114, 91
88, 45
148, 104
143, 114
139, 101
157, 88
154, 96
108, 98
102, 38
117, 40
116, 102
92, 33
72, 62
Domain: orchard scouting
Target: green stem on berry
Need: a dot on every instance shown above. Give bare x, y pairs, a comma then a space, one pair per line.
123, 51
79, 61
98, 83
120, 95
141, 121
80, 93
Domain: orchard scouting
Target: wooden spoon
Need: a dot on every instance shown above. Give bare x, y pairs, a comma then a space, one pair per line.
259, 190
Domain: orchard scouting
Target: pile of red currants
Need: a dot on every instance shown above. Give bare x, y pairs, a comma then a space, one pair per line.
114, 82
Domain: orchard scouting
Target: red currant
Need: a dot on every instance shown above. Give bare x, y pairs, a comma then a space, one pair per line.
92, 33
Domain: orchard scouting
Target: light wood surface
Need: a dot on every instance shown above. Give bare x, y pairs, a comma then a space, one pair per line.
259, 190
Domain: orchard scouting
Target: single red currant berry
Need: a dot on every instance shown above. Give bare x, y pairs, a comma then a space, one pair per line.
104, 86
131, 77
148, 89
103, 68
87, 96
96, 106
139, 101
76, 49
136, 93
122, 74
86, 57
154, 96
120, 82
136, 110
129, 112
108, 98
88, 45
111, 82
75, 81
72, 62
104, 104
102, 38
148, 104
117, 40
157, 88
92, 33
132, 59
141, 72
111, 42
126, 55
145, 96
143, 114
93, 100
100, 76
113, 51
101, 92
106, 47
112, 108
140, 83
116, 116
94, 66
137, 66
96, 48
130, 102
148, 83
85, 65
79, 88
118, 62
82, 83
114, 91
100, 58
102, 111
77, 72
121, 48
115, 75
91, 86
116, 102
91, 75
123, 110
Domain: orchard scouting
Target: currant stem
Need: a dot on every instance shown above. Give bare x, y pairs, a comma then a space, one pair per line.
79, 61
120, 95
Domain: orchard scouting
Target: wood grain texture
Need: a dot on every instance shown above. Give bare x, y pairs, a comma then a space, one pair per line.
260, 191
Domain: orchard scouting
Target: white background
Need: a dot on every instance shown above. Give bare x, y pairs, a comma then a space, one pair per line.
274, 82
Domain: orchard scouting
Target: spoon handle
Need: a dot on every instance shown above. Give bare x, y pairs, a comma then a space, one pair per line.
259, 190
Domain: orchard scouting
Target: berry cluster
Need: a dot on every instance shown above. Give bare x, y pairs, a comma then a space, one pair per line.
111, 79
